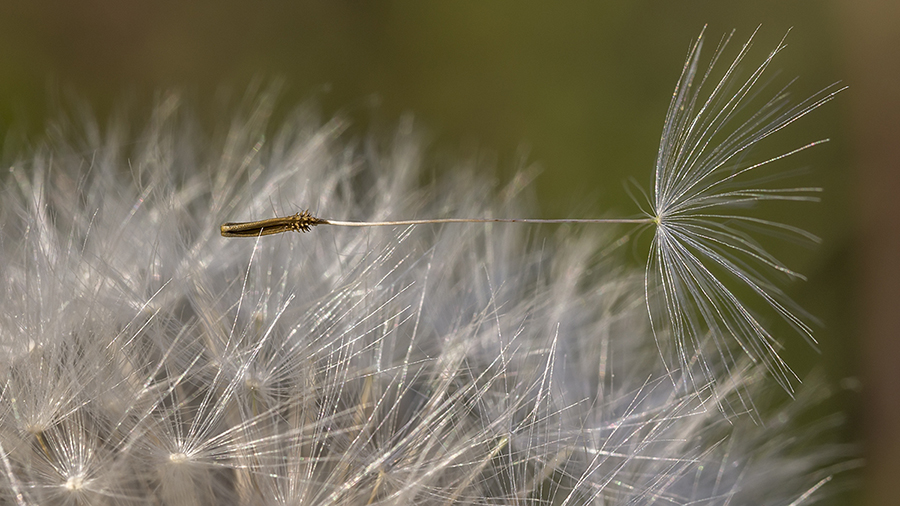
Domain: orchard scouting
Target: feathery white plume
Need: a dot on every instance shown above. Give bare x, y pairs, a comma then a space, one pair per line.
702, 253
148, 360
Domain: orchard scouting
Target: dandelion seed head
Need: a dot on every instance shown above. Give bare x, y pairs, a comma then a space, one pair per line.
149, 359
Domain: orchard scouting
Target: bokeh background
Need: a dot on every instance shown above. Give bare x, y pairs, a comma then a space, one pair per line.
580, 88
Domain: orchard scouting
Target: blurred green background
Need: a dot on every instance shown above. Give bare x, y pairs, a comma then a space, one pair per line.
584, 86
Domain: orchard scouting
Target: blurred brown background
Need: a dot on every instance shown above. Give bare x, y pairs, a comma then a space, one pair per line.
583, 85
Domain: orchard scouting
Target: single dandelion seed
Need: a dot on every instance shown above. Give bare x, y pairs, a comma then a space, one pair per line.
701, 253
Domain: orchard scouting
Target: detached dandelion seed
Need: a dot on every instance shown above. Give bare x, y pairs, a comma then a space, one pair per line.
697, 184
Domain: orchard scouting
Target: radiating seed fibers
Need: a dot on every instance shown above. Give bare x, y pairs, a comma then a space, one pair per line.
148, 360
